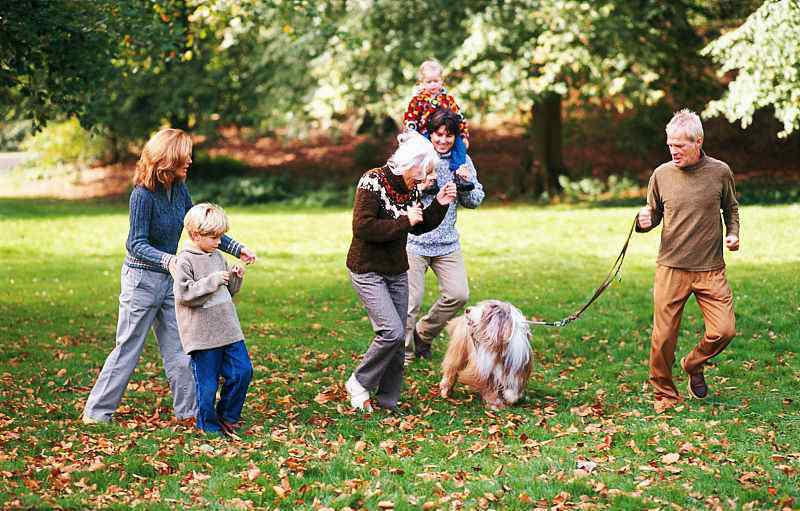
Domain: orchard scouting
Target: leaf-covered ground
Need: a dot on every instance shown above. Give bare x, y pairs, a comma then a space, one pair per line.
585, 437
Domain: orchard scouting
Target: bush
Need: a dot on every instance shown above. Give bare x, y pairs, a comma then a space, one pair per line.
268, 189
66, 142
215, 168
369, 154
592, 189
13, 133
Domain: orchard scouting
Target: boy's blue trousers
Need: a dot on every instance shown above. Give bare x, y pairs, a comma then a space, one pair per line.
232, 362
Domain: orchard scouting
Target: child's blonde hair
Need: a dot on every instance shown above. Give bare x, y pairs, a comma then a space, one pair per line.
429, 64
167, 151
206, 219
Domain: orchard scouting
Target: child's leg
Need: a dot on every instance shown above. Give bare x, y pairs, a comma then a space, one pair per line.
237, 370
458, 154
207, 366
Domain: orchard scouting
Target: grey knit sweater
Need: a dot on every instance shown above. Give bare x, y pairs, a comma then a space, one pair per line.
203, 303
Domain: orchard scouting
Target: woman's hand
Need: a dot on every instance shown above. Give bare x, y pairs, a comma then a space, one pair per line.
447, 194
247, 255
414, 215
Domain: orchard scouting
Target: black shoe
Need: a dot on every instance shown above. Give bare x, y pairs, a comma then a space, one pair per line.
464, 186
697, 383
431, 190
422, 349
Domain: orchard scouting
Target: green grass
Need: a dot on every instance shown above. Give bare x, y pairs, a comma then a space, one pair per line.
740, 448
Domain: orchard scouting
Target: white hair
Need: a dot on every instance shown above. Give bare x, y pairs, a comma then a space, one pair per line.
687, 122
414, 152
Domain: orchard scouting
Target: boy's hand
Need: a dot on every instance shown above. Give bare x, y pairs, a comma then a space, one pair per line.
225, 276
238, 270
732, 242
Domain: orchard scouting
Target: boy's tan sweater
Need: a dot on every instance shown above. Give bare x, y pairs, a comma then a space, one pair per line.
203, 303
689, 200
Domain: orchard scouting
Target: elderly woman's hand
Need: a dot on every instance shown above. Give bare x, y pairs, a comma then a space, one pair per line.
447, 194
414, 215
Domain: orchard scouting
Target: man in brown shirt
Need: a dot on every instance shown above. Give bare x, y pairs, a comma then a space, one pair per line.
687, 194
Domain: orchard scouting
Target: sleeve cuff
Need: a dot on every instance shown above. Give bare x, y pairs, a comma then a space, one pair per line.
165, 260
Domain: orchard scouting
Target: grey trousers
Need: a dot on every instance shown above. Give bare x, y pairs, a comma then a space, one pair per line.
386, 299
453, 289
145, 301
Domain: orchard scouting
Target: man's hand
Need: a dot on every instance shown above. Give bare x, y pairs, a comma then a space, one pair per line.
414, 215
247, 255
173, 267
447, 194
645, 218
732, 242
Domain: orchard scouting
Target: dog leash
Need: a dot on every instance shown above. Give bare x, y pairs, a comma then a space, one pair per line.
612, 274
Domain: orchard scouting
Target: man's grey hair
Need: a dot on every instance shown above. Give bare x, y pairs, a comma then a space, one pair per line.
687, 122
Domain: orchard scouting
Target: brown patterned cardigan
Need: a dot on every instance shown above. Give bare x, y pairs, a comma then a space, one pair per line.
380, 223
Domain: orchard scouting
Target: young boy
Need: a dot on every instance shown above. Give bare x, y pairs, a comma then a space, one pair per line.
207, 322
429, 95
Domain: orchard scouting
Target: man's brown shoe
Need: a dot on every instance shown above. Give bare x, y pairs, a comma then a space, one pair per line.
697, 382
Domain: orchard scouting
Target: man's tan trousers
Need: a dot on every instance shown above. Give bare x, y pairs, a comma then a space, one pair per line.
671, 289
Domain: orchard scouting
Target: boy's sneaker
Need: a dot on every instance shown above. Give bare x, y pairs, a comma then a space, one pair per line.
697, 382
359, 396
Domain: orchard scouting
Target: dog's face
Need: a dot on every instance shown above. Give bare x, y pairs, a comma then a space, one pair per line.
491, 321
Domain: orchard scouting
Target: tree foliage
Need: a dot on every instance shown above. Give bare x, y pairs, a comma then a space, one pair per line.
765, 54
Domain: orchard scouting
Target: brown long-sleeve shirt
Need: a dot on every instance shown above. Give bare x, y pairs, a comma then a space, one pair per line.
689, 200
380, 223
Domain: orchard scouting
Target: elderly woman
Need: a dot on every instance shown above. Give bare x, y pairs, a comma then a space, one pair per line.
386, 210
440, 249
158, 203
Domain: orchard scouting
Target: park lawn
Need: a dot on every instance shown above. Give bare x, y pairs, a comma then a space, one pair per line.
305, 448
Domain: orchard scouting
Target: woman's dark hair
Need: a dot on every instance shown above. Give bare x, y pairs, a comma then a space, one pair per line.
445, 117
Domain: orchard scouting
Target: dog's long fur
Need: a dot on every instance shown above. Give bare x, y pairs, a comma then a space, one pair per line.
490, 351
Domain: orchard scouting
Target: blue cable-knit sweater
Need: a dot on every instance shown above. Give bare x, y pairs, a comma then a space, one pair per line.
156, 223
444, 239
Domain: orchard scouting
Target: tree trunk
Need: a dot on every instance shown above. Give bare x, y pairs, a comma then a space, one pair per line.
547, 135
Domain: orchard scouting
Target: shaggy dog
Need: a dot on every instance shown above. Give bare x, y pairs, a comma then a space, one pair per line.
490, 351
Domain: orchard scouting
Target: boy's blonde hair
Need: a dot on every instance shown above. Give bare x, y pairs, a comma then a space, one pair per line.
430, 64
206, 219
167, 151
